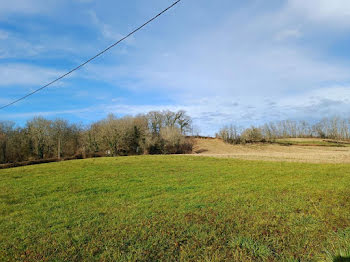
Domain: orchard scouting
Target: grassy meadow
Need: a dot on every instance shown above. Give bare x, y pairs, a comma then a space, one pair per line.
175, 208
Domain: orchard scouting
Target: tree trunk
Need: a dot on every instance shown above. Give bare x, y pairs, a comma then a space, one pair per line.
59, 148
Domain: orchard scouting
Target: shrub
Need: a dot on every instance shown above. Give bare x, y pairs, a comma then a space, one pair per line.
174, 141
170, 141
252, 135
230, 135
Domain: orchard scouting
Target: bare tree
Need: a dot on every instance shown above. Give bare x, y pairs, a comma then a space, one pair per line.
40, 133
155, 121
184, 121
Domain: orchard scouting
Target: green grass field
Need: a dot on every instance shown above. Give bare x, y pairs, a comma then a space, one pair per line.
175, 208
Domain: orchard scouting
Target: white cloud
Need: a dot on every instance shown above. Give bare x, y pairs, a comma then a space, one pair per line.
48, 113
26, 6
334, 11
85, 1
26, 75
106, 30
15, 47
29, 7
19, 46
239, 62
3, 35
288, 34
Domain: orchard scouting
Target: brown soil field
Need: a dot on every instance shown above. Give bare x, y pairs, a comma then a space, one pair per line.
272, 152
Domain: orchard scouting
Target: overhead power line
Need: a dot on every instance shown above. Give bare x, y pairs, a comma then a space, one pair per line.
92, 58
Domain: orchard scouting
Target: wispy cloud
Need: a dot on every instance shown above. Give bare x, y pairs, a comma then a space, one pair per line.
26, 6
106, 30
3, 35
244, 63
26, 75
288, 34
336, 12
13, 46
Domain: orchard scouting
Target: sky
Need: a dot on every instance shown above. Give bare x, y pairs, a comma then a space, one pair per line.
224, 62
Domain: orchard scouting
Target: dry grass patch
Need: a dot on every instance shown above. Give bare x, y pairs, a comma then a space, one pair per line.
274, 152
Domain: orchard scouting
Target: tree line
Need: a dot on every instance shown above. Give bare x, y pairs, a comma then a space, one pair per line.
331, 128
158, 132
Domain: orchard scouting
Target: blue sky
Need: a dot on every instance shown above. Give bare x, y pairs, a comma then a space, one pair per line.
228, 61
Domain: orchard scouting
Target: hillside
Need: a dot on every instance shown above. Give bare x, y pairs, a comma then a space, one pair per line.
174, 208
295, 150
